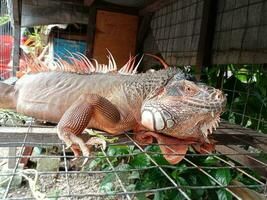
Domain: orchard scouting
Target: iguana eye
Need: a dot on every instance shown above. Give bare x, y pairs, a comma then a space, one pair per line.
190, 90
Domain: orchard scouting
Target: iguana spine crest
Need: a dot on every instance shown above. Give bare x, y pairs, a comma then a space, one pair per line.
79, 63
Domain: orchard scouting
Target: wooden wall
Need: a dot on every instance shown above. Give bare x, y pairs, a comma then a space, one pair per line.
237, 35
180, 30
43, 12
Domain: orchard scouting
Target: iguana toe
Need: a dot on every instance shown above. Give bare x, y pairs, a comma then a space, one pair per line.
97, 141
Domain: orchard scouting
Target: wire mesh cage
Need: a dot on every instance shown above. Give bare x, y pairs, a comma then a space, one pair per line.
39, 166
121, 171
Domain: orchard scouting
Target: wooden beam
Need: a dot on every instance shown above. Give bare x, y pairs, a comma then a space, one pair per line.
239, 155
143, 29
14, 136
53, 12
88, 2
154, 6
116, 8
91, 26
11, 163
15, 11
206, 35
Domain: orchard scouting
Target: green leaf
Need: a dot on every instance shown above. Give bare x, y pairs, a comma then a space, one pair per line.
223, 176
134, 175
159, 195
4, 19
99, 135
141, 196
210, 160
242, 75
223, 195
107, 183
131, 187
140, 161
93, 164
205, 180
181, 168
118, 150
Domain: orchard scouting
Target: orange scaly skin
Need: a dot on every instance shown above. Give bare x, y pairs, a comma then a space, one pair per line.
161, 105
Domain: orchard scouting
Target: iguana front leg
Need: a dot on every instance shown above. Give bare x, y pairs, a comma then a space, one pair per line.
78, 116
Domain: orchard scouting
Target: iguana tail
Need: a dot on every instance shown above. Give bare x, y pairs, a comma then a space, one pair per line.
7, 96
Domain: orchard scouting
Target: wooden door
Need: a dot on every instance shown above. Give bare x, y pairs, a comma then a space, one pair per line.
116, 32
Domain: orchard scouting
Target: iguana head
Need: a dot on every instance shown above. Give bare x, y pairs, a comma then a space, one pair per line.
183, 109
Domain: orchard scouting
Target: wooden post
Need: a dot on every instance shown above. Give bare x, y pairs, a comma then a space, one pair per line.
206, 35
143, 29
153, 6
91, 31
15, 13
11, 163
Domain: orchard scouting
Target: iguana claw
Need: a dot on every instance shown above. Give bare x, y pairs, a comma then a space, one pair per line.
68, 146
97, 141
92, 142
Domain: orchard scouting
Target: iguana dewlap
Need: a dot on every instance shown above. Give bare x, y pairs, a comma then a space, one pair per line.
162, 105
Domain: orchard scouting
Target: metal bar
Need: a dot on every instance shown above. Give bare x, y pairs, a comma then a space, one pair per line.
206, 35
131, 170
133, 193
212, 178
155, 163
131, 154
17, 164
117, 176
244, 160
240, 170
66, 169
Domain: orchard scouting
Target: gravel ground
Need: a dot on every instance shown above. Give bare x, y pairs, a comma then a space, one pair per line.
56, 184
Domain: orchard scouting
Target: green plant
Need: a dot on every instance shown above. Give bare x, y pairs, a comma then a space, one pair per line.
4, 19
246, 89
36, 41
137, 173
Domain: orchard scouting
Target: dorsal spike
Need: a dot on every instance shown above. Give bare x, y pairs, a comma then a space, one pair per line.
165, 65
136, 67
110, 67
123, 70
113, 60
131, 67
77, 62
96, 65
92, 68
87, 64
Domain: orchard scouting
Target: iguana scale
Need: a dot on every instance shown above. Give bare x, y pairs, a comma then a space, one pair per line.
161, 104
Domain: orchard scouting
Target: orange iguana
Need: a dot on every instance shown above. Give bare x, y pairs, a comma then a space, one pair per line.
161, 104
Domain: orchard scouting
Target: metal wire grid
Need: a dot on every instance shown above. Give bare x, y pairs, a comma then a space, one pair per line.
239, 30
175, 29
5, 32
123, 193
244, 115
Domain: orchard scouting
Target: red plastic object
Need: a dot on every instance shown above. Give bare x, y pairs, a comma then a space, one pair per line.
6, 42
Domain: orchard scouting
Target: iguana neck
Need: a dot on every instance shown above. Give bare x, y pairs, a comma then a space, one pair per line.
142, 86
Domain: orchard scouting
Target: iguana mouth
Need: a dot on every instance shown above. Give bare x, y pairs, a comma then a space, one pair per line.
207, 126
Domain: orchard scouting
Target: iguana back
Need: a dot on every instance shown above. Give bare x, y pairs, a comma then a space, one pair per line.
47, 95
